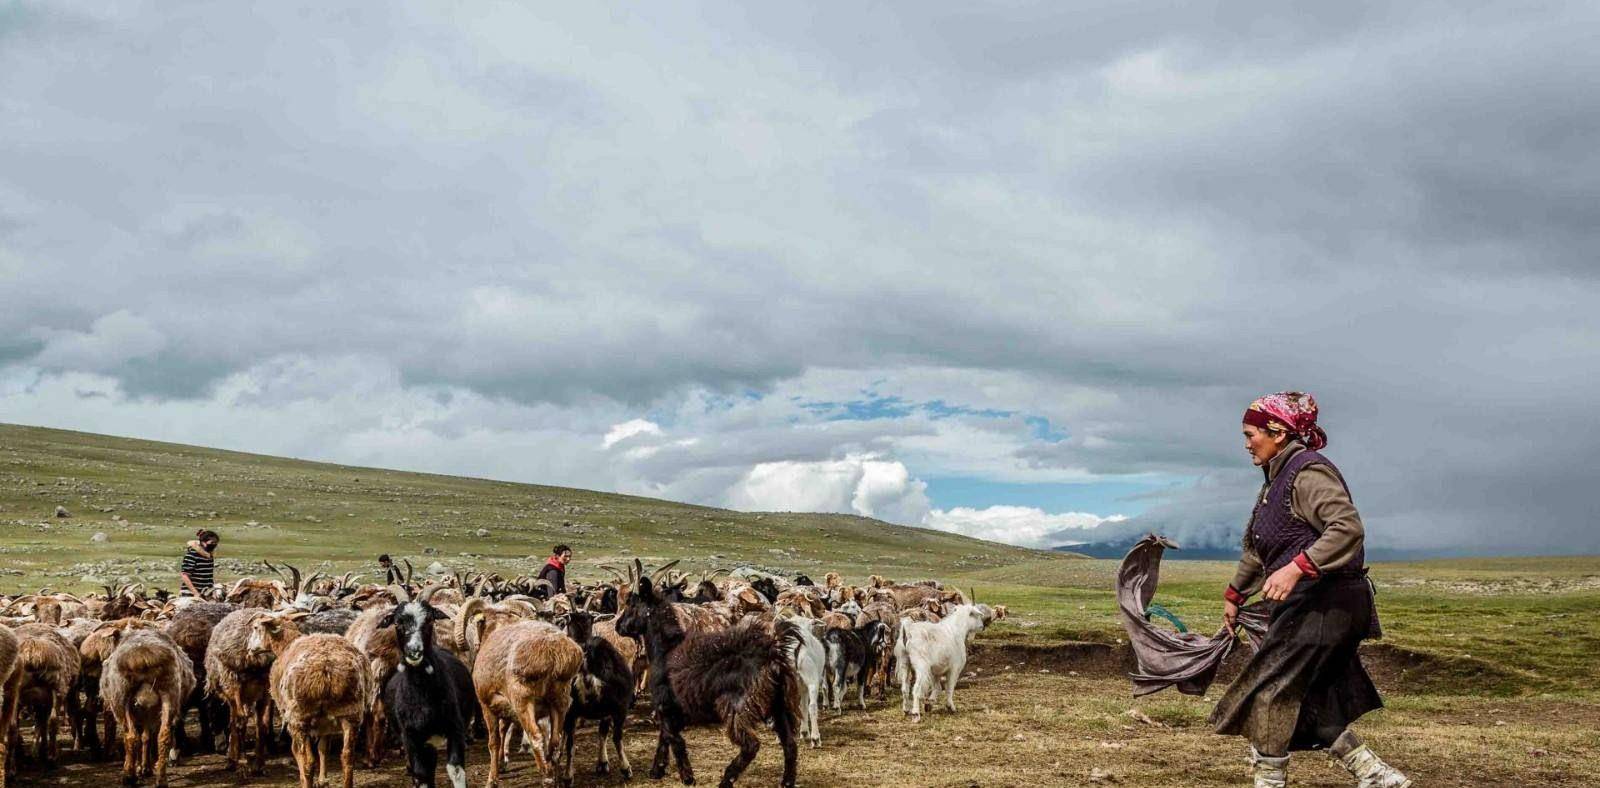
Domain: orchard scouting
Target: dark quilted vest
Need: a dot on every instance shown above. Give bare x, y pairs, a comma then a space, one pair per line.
1275, 533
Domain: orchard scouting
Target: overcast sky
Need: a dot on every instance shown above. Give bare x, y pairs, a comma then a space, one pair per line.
1013, 271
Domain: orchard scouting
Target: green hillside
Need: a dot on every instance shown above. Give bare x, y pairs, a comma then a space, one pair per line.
148, 497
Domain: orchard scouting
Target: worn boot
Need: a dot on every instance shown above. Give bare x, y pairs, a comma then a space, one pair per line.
1371, 770
1269, 772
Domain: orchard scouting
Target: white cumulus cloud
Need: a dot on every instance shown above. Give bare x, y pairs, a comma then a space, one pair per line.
861, 484
1027, 526
628, 429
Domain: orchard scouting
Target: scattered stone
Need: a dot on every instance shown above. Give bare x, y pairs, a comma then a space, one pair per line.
437, 568
1099, 775
481, 533
98, 538
116, 518
61, 511
1144, 718
252, 523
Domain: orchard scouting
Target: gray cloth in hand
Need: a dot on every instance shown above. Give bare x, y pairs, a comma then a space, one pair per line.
1166, 658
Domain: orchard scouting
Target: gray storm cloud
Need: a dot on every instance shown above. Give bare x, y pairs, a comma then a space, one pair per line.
514, 229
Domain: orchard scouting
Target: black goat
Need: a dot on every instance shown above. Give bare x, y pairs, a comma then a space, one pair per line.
745, 672
802, 580
429, 695
602, 691
767, 587
847, 661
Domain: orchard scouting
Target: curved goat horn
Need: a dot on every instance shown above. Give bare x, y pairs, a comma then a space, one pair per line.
656, 575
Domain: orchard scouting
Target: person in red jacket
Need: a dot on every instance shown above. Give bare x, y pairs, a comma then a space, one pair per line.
555, 568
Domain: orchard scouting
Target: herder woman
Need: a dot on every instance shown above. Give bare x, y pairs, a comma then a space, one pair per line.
1306, 684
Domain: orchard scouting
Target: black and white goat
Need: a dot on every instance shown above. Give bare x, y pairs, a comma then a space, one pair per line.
847, 662
429, 696
741, 677
603, 691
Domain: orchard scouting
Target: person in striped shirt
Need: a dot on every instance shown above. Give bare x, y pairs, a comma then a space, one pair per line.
199, 563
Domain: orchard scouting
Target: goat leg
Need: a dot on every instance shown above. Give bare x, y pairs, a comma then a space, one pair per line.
748, 746
455, 762
616, 742
658, 767
680, 753
568, 728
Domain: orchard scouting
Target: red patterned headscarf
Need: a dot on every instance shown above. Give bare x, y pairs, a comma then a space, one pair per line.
1291, 411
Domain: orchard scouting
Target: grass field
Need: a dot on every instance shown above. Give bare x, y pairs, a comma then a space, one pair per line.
1488, 665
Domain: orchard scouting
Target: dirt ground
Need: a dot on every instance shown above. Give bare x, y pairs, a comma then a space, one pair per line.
1063, 716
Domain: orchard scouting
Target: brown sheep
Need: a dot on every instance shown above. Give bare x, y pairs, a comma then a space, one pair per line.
10, 681
907, 597
252, 593
523, 675
238, 674
322, 686
93, 651
191, 627
144, 684
799, 602
49, 666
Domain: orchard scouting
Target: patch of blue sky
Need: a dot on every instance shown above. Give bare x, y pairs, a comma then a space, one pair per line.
1105, 498
939, 409
868, 409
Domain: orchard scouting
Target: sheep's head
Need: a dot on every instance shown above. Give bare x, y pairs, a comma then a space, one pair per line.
271, 633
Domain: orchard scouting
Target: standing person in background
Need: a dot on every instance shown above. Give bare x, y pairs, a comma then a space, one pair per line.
555, 568
198, 574
391, 573
1304, 549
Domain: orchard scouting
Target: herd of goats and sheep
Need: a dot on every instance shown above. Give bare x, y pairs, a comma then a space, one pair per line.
453, 660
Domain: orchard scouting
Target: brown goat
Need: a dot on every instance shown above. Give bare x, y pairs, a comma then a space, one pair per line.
49, 666
144, 684
322, 686
239, 674
523, 675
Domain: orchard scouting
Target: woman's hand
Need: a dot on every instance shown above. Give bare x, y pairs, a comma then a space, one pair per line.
1230, 614
1282, 582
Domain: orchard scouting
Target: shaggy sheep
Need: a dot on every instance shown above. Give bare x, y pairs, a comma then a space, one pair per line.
322, 686
144, 684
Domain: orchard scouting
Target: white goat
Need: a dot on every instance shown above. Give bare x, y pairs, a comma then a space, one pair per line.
935, 654
810, 663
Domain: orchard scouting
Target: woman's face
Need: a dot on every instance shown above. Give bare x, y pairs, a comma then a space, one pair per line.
1262, 445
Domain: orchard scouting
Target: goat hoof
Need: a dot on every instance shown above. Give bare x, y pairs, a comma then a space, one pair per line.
627, 774
130, 780
658, 772
602, 768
